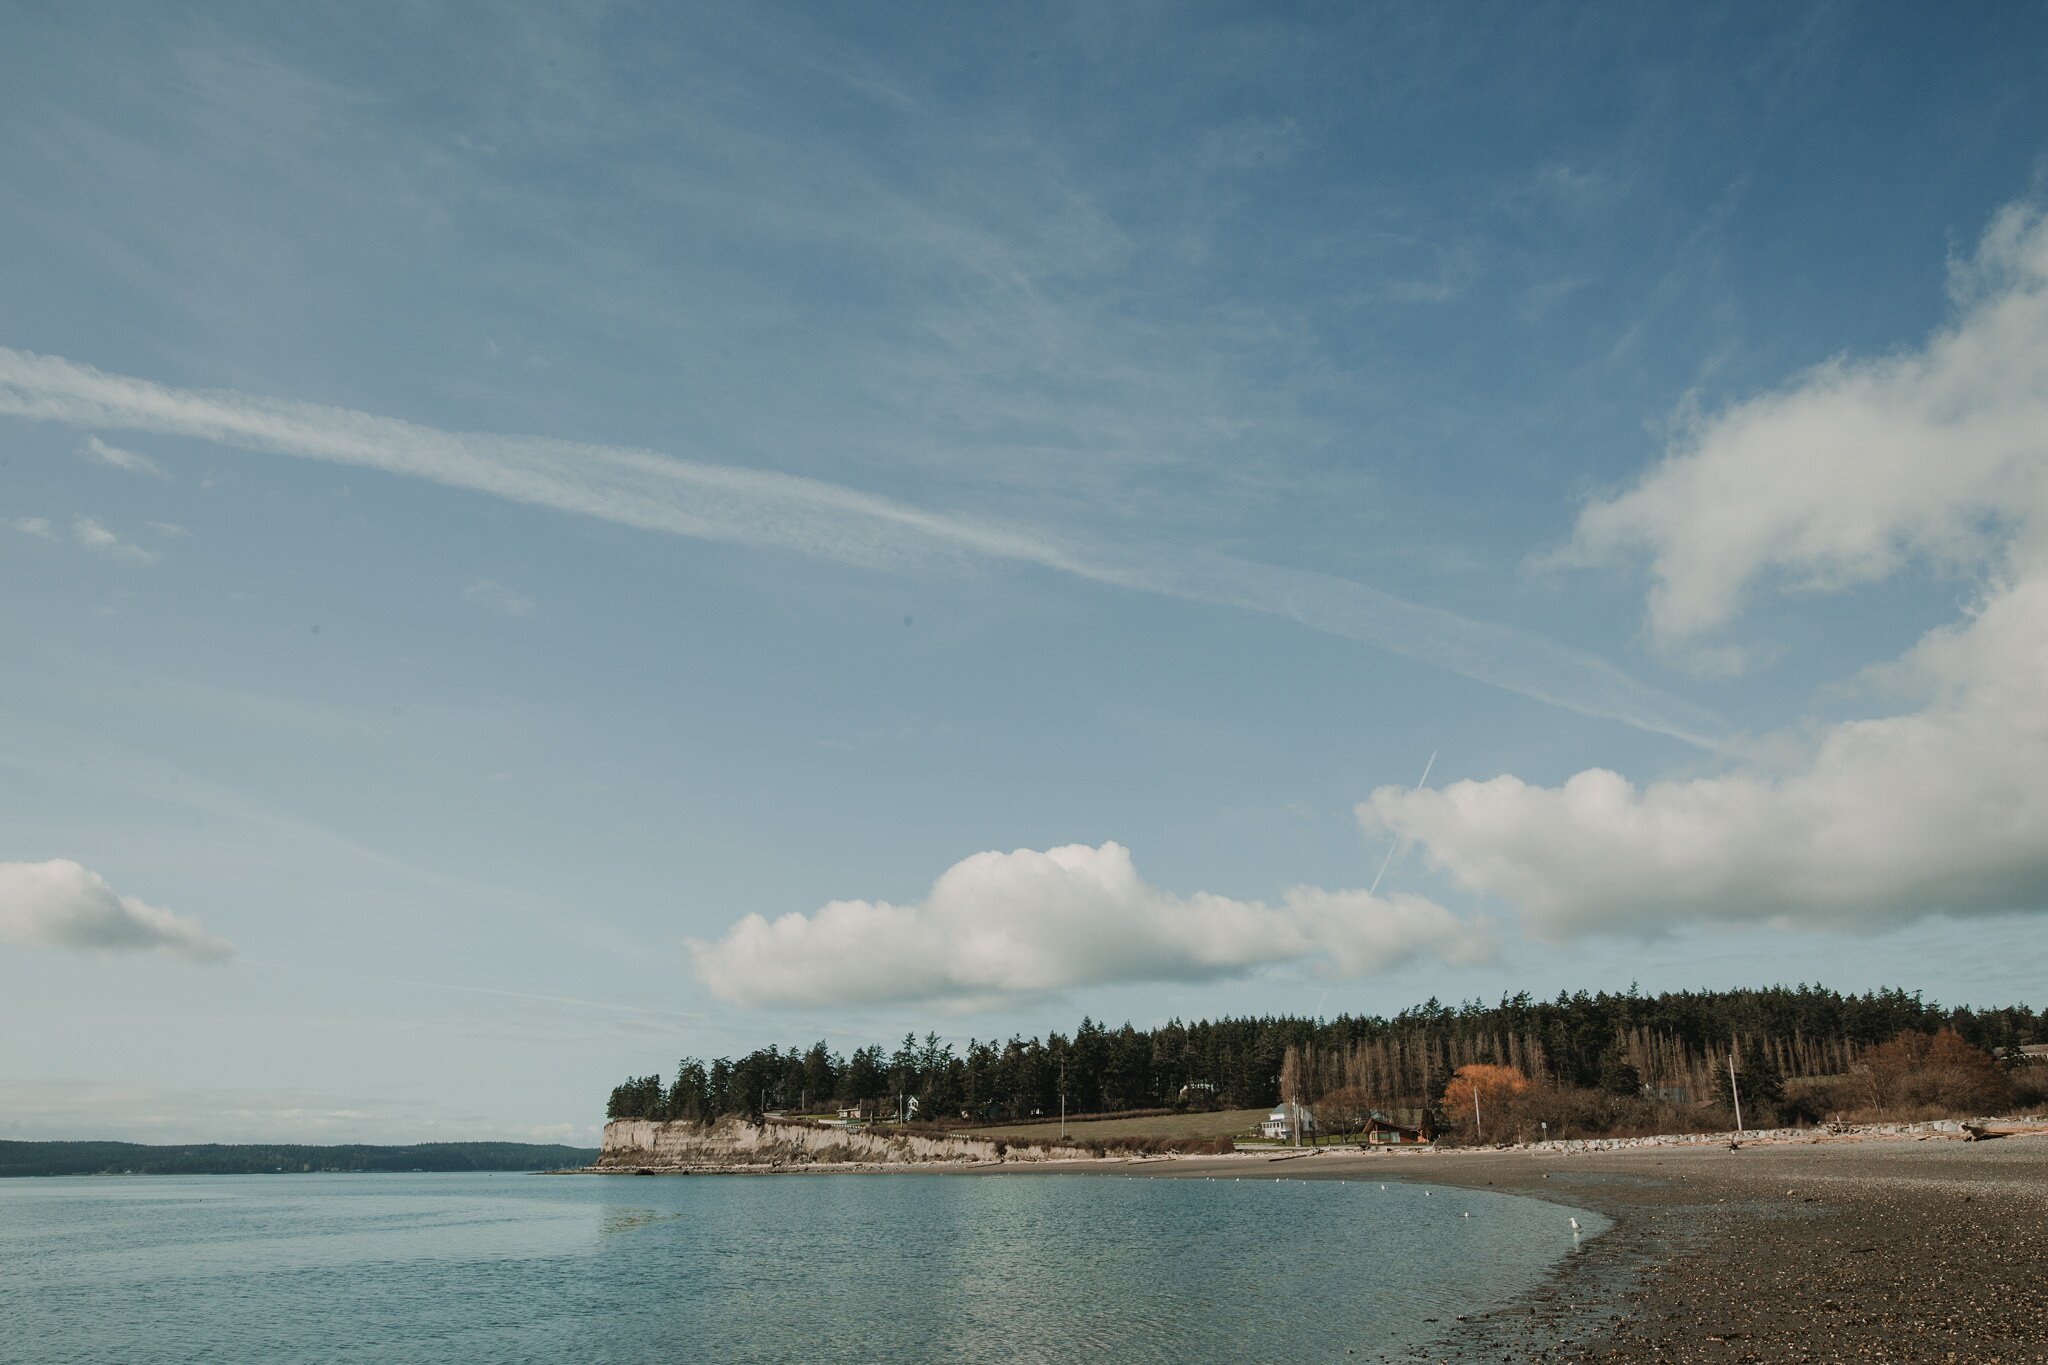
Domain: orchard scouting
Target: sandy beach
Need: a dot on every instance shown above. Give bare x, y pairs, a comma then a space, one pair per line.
1880, 1250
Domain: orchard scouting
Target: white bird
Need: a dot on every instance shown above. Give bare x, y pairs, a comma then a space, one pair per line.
1575, 1225
1383, 1187
1464, 1215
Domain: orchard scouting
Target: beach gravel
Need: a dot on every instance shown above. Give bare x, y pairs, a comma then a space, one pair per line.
1934, 1250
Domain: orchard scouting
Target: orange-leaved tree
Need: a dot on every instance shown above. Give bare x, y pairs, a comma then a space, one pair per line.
1493, 1090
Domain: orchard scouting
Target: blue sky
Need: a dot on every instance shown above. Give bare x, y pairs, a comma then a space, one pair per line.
530, 548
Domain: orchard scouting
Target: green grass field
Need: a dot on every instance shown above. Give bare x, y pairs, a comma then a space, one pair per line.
1223, 1123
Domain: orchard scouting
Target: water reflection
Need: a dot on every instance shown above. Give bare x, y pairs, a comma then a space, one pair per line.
912, 1267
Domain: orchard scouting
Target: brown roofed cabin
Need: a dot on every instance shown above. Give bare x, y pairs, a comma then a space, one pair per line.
1381, 1131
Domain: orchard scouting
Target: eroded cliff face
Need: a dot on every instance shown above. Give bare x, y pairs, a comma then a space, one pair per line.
648, 1144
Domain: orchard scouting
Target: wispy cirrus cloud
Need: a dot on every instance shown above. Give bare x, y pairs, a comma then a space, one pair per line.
93, 534
61, 904
497, 597
685, 497
1514, 660
1003, 927
115, 457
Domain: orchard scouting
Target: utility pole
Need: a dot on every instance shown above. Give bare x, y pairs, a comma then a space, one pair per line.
1063, 1099
1734, 1089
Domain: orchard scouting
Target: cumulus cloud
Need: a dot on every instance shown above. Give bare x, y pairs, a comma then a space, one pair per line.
1836, 478
114, 457
1001, 926
1839, 478
1941, 810
59, 904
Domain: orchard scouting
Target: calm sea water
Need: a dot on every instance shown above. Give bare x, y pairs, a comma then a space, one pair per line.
737, 1268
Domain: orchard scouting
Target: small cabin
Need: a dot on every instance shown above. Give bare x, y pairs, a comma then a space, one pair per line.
1381, 1131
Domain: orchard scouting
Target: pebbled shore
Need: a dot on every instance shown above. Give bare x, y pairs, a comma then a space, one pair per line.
1880, 1250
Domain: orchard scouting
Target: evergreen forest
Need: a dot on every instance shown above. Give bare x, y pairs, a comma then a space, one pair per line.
1673, 1046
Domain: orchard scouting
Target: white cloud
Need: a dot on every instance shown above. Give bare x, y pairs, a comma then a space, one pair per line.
114, 457
1000, 926
655, 492
1856, 464
59, 904
1838, 478
94, 536
498, 597
630, 486
1941, 810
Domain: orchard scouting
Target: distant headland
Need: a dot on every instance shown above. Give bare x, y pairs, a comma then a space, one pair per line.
215, 1158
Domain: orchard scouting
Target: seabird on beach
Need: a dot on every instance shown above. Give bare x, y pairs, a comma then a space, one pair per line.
1575, 1225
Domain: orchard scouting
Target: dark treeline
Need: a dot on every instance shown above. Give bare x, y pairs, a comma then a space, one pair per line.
214, 1158
1578, 1040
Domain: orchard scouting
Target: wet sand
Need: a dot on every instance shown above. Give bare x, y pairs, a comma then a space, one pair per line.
1879, 1250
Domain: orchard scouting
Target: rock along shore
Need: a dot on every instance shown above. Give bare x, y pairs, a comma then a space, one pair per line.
637, 1146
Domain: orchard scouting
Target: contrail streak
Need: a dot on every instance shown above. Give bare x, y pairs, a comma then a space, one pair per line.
657, 492
1395, 847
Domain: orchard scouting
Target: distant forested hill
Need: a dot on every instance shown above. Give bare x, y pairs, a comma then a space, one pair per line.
211, 1158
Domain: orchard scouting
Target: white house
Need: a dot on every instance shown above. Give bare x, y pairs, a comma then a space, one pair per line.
1280, 1123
